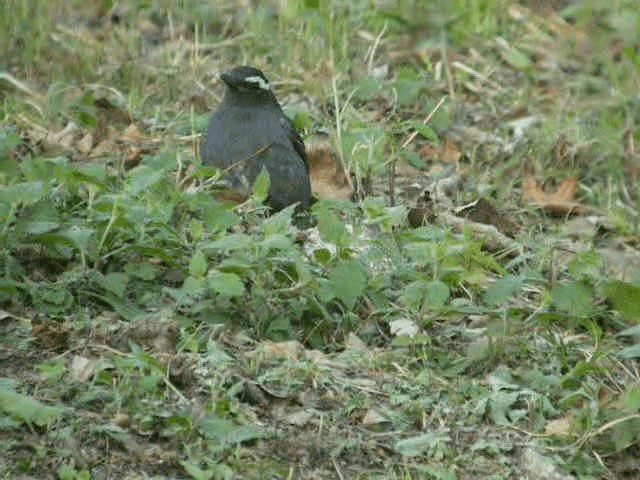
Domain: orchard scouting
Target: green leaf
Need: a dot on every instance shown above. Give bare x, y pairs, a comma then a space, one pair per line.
501, 403
366, 87
26, 193
502, 290
227, 284
409, 86
227, 433
630, 352
418, 445
437, 293
331, 228
115, 282
425, 131
196, 472
143, 271
142, 178
8, 141
229, 243
348, 281
516, 58
260, 189
27, 409
198, 264
575, 299
631, 398
625, 298
414, 294
78, 236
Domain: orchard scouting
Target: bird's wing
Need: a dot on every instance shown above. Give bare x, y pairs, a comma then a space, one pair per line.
295, 138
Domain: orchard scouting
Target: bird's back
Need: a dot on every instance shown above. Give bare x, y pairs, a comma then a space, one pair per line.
242, 139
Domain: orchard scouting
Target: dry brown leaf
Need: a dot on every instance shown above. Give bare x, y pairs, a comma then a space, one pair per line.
560, 427
560, 202
85, 144
447, 151
50, 334
486, 211
328, 178
292, 350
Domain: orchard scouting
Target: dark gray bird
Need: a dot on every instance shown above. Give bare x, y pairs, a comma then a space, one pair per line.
249, 131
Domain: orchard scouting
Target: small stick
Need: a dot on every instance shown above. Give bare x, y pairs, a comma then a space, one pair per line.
425, 121
247, 158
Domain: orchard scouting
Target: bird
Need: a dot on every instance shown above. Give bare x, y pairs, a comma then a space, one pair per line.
247, 132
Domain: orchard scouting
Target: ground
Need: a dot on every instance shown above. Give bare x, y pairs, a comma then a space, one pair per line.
462, 301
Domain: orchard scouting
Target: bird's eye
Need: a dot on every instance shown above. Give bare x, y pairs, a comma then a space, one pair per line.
259, 82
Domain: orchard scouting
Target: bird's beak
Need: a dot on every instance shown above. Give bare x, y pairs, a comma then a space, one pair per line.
228, 79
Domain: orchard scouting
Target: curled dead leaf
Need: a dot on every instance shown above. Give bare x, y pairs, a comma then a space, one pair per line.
328, 176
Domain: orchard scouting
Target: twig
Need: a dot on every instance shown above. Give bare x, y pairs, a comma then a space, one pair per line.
21, 86
447, 70
374, 47
425, 121
248, 157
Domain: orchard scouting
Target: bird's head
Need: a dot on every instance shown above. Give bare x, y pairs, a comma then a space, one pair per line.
247, 82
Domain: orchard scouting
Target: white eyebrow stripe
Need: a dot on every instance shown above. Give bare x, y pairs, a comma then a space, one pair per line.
262, 83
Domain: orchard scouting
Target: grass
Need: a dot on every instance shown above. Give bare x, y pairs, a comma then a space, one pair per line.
151, 328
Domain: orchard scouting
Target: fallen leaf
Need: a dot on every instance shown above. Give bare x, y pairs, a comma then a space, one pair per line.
560, 202
291, 349
50, 334
486, 211
559, 427
372, 417
82, 369
403, 327
328, 176
447, 151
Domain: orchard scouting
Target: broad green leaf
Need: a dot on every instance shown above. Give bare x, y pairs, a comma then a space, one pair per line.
142, 178
502, 290
115, 282
425, 131
229, 243
143, 271
198, 264
409, 85
366, 87
193, 286
631, 397
575, 298
67, 472
279, 223
625, 298
225, 432
414, 294
516, 58
437, 293
418, 445
38, 227
26, 193
630, 352
227, 284
260, 189
8, 141
500, 406
277, 242
79, 236
331, 228
196, 472
27, 409
347, 281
